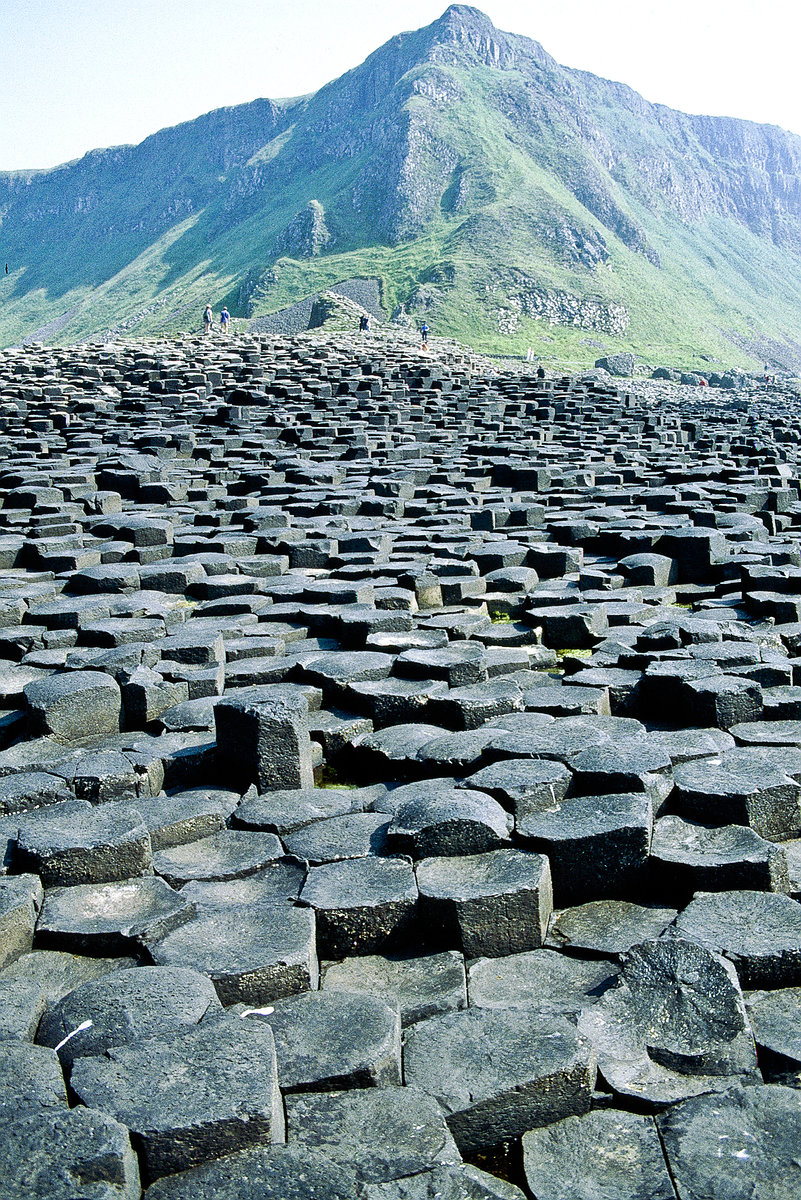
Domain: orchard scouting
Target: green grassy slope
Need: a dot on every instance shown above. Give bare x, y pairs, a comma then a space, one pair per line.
510, 201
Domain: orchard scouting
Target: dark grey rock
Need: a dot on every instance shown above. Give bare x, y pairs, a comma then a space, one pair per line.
636, 766
448, 821
78, 843
544, 980
394, 701
30, 757
285, 810
110, 918
776, 1021
523, 722
617, 364
181, 818
469, 707
147, 695
786, 758
459, 665
333, 673
723, 700
340, 487
362, 905
422, 986
189, 1096
487, 904
607, 927
100, 776
31, 789
741, 788
55, 1154
498, 1073
445, 1183
189, 714
620, 685
279, 883
456, 752
674, 1025
597, 846
597, 1156
332, 1040
382, 1133
253, 953
263, 738
30, 1076
337, 732
352, 835
20, 901
394, 796
759, 931
229, 854
687, 857
75, 705
262, 1173
392, 753
649, 570
127, 1006
792, 851
555, 699
570, 626
683, 745
565, 737
523, 785
40, 978
768, 733
744, 1141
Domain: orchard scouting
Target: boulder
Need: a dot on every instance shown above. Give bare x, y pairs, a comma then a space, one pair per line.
381, 1133
497, 1073
191, 1095
75, 705
602, 1154
741, 1144
487, 904
421, 986
674, 1025
55, 1153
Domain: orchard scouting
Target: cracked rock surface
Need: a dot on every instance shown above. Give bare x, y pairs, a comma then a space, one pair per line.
400, 778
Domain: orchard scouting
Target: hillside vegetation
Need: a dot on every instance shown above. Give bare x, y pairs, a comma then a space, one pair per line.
510, 201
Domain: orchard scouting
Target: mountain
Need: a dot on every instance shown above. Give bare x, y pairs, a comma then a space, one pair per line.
460, 174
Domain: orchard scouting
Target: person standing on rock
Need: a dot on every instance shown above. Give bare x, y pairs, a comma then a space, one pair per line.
364, 324
225, 317
540, 371
424, 335
208, 319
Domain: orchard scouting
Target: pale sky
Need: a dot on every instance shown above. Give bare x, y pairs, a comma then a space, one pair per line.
80, 74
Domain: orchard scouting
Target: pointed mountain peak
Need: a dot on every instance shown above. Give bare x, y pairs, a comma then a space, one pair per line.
461, 23
464, 16
462, 26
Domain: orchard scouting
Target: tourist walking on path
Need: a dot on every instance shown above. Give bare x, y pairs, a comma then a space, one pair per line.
225, 317
208, 319
424, 335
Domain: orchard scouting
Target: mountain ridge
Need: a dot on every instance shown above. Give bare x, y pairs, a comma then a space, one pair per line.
509, 200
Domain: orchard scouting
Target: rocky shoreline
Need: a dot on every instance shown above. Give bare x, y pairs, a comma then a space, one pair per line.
400, 777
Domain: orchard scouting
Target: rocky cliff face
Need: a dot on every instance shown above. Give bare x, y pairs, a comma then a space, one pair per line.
133, 187
469, 146
518, 296
306, 235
